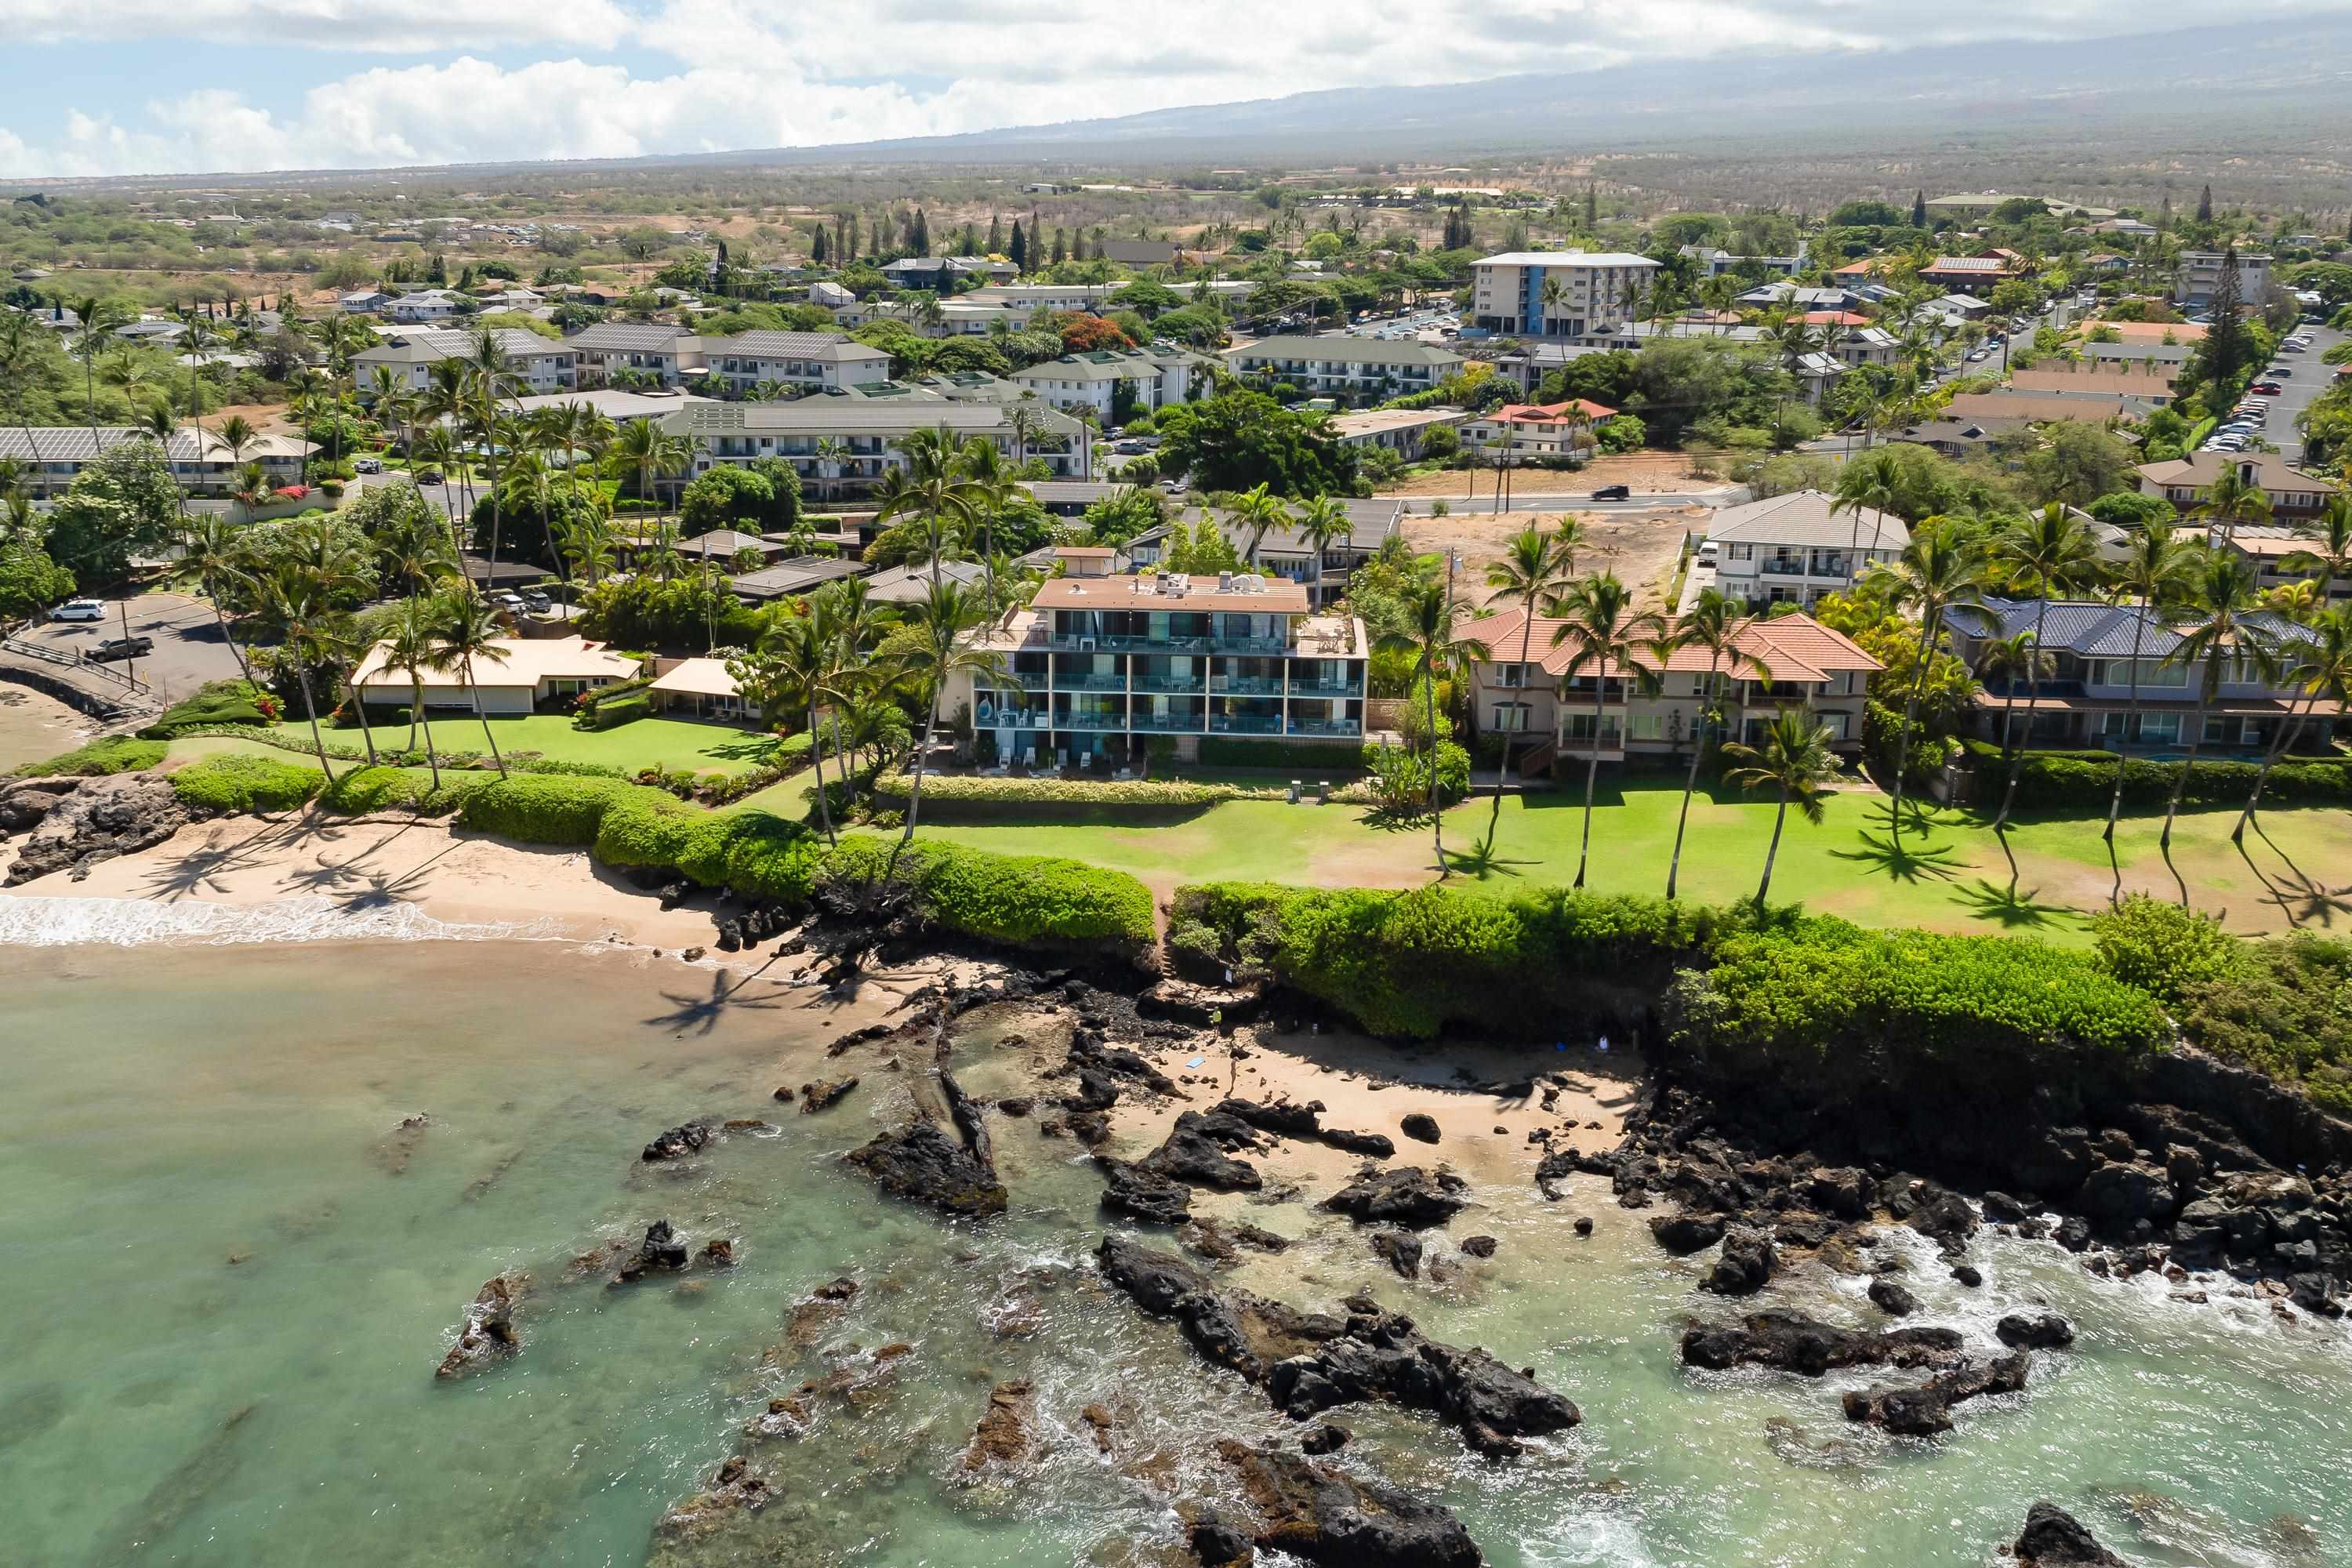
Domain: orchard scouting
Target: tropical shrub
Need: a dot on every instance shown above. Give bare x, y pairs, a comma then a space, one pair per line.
1026, 899
242, 782
2076, 781
219, 702
945, 789
110, 754
361, 792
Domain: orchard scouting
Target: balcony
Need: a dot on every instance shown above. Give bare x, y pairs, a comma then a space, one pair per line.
1169, 723
1013, 718
1781, 568
1176, 685
1330, 728
1063, 682
1089, 720
1327, 688
1243, 724
1245, 685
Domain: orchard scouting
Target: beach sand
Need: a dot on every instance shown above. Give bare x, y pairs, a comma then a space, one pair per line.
364, 864
34, 726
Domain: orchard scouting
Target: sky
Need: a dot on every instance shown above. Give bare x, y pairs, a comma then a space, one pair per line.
141, 86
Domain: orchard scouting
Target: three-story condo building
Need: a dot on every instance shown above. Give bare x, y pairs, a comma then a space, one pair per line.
1101, 663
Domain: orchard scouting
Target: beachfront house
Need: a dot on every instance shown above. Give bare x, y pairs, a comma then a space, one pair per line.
532, 675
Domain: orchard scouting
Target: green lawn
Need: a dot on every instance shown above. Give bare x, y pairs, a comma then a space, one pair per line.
1951, 876
670, 743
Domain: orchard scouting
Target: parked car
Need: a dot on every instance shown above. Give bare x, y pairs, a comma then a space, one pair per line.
506, 600
124, 647
1614, 492
430, 478
2277, 373
537, 602
2269, 388
367, 465
79, 610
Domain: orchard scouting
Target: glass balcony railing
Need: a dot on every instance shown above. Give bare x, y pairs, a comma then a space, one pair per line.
1013, 718
1246, 685
1781, 568
1089, 682
1335, 727
1188, 685
1243, 724
1090, 722
1326, 688
1170, 723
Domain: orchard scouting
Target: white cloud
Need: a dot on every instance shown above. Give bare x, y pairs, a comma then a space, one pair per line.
711, 75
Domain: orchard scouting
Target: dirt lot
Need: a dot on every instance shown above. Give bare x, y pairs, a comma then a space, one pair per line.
1641, 470
1642, 548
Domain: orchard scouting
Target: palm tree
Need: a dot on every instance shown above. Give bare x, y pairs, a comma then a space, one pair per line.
1321, 522
1432, 617
1258, 509
1872, 483
465, 628
1536, 568
299, 600
237, 434
2046, 553
2330, 559
803, 647
2319, 660
1795, 759
1938, 571
2009, 658
2232, 500
489, 383
409, 646
834, 451
2220, 601
23, 345
942, 622
212, 559
1606, 634
99, 320
1024, 422
645, 449
2155, 570
935, 489
1714, 623
196, 335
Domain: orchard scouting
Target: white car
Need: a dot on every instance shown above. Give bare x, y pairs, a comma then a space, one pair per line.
79, 610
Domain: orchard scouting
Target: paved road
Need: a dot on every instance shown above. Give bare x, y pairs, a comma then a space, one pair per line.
189, 648
1578, 501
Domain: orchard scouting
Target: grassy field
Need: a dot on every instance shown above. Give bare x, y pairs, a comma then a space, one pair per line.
671, 743
1951, 876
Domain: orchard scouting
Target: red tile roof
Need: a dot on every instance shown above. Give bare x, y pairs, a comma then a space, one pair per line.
1790, 647
1548, 413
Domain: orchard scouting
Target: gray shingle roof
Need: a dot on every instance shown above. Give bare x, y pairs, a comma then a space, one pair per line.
1346, 351
1802, 516
627, 337
862, 416
792, 345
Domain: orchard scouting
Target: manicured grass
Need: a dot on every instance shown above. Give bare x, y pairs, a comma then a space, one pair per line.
1950, 877
666, 742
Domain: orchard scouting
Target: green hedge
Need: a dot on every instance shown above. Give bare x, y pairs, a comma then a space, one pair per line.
1025, 899
1332, 759
618, 711
953, 789
1822, 1005
360, 792
2081, 781
244, 783
1411, 964
546, 808
112, 754
214, 703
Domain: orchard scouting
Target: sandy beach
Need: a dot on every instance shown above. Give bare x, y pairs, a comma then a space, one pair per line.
362, 864
34, 726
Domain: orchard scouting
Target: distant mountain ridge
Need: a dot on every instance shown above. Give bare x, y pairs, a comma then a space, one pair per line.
2245, 70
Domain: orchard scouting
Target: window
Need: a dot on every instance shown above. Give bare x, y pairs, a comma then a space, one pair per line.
1743, 553
1511, 676
2217, 731
1510, 718
1646, 726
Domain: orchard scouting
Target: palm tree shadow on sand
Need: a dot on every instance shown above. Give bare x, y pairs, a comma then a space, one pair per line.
700, 1014
1909, 856
2302, 898
1481, 859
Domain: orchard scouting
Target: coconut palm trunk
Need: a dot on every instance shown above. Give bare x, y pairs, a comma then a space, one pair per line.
1503, 765
1436, 810
914, 790
2189, 763
310, 711
1903, 740
1690, 781
816, 760
2123, 742
1773, 853
1591, 771
484, 719
418, 716
2288, 734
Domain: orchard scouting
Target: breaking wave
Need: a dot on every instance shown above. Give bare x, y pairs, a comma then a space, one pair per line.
139, 923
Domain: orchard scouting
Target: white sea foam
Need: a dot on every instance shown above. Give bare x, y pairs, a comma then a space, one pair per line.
139, 923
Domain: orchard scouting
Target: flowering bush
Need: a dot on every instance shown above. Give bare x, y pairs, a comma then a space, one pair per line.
291, 493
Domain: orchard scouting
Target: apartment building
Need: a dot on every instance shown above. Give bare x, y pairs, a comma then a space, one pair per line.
2085, 698
1282, 551
1117, 383
1100, 664
1556, 293
2201, 274
1792, 548
1975, 276
51, 456
1346, 367
863, 435
808, 361
1536, 429
1714, 263
2186, 482
606, 350
1653, 710
1404, 431
2282, 558
538, 364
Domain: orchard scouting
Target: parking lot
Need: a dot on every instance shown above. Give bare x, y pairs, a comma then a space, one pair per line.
189, 647
2308, 377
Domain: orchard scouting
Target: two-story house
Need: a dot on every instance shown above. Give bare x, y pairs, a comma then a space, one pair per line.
1794, 548
1536, 429
2085, 698
668, 353
427, 307
49, 456
807, 361
1117, 383
540, 365
2187, 482
861, 436
1359, 368
1102, 663
1652, 711
2282, 557
1283, 552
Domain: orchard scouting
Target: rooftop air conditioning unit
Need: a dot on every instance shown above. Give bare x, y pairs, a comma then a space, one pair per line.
1224, 582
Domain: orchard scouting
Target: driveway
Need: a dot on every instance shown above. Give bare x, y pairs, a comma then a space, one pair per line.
189, 647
